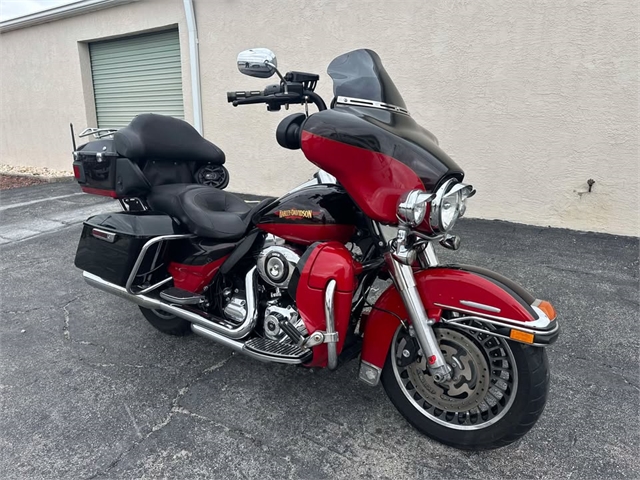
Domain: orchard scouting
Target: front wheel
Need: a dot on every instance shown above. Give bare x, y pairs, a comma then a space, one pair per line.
497, 392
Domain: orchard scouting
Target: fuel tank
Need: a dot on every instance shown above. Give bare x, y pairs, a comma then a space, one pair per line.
317, 213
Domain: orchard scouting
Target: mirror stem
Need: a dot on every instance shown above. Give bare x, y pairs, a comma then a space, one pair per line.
268, 63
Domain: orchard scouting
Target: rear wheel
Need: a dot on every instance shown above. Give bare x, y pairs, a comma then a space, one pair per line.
497, 392
166, 322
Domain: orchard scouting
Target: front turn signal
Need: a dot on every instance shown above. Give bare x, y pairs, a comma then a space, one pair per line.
521, 336
547, 308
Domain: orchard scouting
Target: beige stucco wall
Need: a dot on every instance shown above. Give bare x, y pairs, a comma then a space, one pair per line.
531, 98
45, 78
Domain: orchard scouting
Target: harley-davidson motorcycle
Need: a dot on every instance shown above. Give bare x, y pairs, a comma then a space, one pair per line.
460, 350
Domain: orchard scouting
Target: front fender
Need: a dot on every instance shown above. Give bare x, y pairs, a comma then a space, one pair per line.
464, 288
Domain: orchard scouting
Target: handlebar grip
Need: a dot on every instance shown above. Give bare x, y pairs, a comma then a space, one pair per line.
242, 94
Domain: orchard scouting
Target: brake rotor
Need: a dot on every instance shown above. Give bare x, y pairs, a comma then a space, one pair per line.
470, 380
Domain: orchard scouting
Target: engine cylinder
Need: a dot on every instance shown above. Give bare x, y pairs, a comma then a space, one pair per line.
276, 264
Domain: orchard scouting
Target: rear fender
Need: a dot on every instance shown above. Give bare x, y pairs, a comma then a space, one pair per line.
472, 290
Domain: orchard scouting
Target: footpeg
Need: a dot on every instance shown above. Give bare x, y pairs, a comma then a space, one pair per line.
270, 350
181, 297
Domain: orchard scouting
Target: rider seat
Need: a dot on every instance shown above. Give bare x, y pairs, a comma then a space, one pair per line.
205, 211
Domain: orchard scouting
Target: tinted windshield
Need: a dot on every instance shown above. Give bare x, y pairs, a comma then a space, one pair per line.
360, 74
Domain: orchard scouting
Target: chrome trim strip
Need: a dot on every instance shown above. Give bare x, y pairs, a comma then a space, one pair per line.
232, 332
320, 178
489, 332
361, 102
481, 306
540, 324
500, 324
329, 315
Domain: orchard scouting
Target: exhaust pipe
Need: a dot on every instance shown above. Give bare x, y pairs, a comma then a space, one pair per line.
228, 337
226, 333
216, 337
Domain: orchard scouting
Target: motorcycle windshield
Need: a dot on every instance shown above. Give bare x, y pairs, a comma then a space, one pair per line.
360, 74
369, 141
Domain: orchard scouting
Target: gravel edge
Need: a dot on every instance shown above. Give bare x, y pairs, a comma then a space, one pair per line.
65, 178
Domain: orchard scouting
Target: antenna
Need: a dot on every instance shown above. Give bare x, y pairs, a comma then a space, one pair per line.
73, 137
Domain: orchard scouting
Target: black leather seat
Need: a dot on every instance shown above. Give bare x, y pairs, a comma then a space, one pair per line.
206, 211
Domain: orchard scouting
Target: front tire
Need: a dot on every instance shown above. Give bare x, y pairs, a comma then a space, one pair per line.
166, 323
498, 391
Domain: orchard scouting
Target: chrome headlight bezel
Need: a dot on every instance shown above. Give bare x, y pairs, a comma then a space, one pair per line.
412, 207
455, 195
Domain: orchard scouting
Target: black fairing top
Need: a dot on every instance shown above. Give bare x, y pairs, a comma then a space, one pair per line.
160, 137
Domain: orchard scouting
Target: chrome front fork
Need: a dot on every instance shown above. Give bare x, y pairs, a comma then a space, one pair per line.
402, 273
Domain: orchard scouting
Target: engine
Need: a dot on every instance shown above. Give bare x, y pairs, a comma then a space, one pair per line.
277, 263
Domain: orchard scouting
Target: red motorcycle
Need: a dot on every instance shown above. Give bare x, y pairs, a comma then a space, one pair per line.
458, 349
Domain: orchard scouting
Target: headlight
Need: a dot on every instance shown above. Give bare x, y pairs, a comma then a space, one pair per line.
444, 207
413, 207
448, 205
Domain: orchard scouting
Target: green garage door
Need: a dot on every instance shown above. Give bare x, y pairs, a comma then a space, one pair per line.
135, 75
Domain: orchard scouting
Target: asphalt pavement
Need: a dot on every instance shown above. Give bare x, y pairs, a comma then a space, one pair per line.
88, 389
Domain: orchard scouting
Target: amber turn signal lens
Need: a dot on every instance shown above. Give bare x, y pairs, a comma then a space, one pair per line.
548, 309
521, 336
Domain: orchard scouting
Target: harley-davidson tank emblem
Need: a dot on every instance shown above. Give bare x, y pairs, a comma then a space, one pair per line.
295, 214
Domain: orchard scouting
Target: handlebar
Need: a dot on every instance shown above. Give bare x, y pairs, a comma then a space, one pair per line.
242, 94
275, 97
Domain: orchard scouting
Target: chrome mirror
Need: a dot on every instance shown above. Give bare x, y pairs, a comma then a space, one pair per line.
257, 62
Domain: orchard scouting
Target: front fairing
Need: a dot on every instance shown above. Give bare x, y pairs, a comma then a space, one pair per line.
376, 152
395, 135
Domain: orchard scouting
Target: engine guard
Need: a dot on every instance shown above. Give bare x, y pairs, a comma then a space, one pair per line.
499, 303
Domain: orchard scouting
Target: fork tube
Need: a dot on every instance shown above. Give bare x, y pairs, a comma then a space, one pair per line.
406, 284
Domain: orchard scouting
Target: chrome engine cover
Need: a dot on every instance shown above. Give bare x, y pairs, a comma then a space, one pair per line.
276, 265
236, 309
272, 316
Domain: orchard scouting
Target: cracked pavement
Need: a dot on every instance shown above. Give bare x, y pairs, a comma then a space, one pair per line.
88, 389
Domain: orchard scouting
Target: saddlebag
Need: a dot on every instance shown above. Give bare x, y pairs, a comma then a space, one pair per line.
111, 243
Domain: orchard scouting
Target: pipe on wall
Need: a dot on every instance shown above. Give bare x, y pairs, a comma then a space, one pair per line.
194, 62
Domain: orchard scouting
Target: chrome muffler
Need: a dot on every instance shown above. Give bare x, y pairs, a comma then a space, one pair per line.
225, 332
